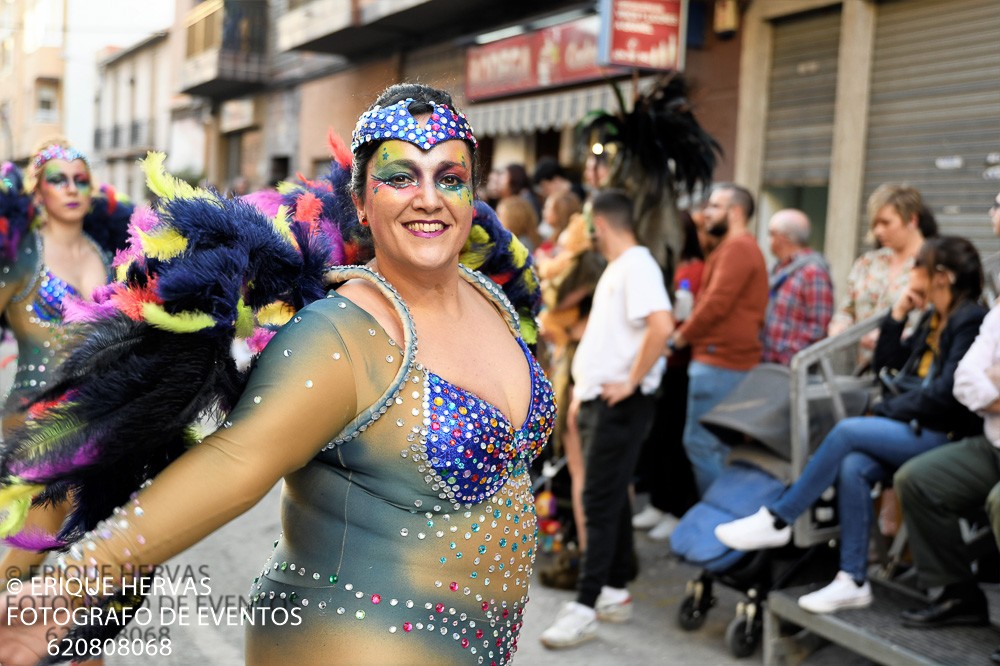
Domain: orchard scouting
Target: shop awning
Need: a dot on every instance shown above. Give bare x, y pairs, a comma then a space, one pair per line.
552, 110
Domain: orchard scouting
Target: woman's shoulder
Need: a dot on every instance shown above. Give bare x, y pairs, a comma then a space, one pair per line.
872, 258
495, 294
24, 263
967, 314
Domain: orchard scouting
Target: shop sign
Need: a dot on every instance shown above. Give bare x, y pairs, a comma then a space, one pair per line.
645, 34
555, 56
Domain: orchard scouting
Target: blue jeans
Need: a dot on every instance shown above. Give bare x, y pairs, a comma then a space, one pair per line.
707, 387
858, 453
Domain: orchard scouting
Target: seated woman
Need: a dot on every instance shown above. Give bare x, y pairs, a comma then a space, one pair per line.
861, 451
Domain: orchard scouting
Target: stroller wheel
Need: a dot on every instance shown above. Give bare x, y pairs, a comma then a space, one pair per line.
691, 615
742, 637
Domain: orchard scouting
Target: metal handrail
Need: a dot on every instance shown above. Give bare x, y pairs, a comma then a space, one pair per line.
831, 386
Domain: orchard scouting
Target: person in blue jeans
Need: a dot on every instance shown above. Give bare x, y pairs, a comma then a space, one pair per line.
859, 452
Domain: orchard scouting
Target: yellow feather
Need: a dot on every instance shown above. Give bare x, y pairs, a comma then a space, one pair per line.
244, 320
476, 248
519, 252
182, 322
284, 187
478, 235
163, 243
122, 271
275, 314
16, 500
163, 184
531, 280
13, 521
281, 224
529, 330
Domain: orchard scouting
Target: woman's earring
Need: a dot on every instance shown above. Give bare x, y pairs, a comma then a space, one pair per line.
364, 221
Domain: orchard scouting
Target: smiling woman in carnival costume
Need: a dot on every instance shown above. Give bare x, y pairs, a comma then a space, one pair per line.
408, 520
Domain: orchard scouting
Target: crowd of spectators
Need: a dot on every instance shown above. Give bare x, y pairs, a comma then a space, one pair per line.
631, 414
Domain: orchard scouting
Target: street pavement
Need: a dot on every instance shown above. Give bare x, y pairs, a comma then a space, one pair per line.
235, 554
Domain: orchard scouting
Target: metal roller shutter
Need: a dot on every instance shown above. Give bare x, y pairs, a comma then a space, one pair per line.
802, 90
934, 115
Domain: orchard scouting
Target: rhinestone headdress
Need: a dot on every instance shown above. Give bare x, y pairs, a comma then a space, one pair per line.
57, 152
396, 122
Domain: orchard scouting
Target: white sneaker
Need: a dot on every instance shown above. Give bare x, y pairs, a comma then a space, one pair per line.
663, 529
614, 605
648, 517
753, 532
843, 592
574, 625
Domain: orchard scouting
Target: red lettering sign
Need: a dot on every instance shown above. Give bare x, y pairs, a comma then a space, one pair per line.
647, 34
555, 56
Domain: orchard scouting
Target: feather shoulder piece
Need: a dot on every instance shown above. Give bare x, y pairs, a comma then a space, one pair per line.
16, 211
108, 219
154, 351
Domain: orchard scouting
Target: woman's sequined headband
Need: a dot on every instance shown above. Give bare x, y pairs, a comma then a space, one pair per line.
396, 122
57, 152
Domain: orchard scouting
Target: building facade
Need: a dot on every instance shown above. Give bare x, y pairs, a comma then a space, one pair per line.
837, 97
32, 73
132, 112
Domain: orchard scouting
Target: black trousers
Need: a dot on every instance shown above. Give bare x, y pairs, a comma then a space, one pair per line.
664, 470
612, 438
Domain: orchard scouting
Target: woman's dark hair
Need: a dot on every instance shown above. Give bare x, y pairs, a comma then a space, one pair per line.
690, 247
424, 98
517, 176
926, 222
959, 258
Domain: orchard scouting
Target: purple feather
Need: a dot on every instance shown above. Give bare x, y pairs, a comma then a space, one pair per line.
48, 469
34, 539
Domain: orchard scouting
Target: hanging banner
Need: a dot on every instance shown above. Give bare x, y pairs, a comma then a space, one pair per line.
645, 34
556, 56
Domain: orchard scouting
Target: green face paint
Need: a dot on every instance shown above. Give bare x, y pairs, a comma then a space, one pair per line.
449, 170
55, 176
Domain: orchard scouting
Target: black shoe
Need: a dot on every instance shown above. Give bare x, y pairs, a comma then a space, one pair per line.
948, 612
995, 657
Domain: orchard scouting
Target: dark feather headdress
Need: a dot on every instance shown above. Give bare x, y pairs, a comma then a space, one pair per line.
658, 150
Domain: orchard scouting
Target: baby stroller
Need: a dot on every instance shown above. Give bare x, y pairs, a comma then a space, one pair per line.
755, 421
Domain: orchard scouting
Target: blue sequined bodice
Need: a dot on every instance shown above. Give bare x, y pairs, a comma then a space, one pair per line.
472, 444
52, 291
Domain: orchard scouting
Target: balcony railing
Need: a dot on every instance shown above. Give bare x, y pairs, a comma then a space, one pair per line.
141, 134
226, 49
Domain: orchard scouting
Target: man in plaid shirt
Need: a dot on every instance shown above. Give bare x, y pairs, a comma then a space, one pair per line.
801, 302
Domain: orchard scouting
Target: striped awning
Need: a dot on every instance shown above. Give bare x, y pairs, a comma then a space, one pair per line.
553, 110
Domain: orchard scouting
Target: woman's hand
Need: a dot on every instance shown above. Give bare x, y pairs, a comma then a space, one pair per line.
908, 301
869, 340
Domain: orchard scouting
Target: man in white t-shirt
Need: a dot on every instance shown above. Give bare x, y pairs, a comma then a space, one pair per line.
616, 370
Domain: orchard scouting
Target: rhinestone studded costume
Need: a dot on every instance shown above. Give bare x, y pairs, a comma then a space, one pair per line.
31, 298
408, 524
